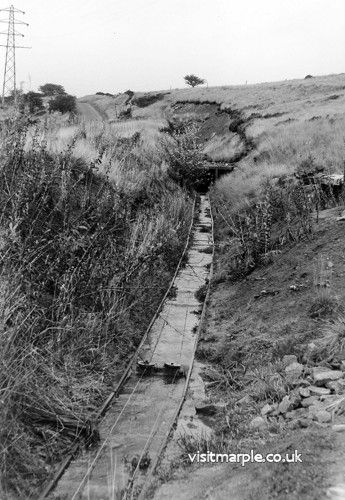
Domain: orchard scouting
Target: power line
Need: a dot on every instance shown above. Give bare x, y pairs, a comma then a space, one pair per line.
9, 83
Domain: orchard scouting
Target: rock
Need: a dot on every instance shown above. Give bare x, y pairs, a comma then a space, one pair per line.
294, 424
295, 398
319, 391
289, 359
315, 407
296, 401
341, 355
322, 375
336, 386
311, 346
299, 413
334, 402
312, 400
302, 382
338, 428
266, 409
341, 217
296, 414
336, 492
322, 416
258, 423
206, 409
285, 405
304, 422
310, 349
293, 372
245, 400
298, 422
304, 392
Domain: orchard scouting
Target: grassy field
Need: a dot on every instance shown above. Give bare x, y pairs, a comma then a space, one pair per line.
287, 121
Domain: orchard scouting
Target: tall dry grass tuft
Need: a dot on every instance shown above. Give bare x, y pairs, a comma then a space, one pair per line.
332, 341
85, 260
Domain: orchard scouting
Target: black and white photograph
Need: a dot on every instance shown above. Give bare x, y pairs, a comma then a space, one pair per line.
172, 250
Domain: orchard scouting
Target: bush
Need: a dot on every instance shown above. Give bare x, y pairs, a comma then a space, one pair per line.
63, 103
277, 215
183, 153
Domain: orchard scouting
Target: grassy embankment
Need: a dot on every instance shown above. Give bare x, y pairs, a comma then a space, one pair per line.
92, 227
278, 288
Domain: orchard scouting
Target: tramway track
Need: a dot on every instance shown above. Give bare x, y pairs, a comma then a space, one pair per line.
145, 405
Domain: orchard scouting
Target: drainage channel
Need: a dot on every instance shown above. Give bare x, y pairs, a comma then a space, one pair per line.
138, 423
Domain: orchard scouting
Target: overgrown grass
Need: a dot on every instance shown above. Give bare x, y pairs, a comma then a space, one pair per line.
332, 341
256, 227
88, 246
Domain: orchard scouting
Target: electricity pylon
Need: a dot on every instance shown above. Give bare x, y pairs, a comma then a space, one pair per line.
9, 83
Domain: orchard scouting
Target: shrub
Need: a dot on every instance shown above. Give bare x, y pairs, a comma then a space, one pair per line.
279, 214
64, 103
183, 153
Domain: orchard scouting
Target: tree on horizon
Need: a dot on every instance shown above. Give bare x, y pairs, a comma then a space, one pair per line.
193, 80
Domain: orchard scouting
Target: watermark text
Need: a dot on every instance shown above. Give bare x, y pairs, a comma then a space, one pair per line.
244, 458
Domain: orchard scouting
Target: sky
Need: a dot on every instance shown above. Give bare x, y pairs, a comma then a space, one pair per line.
115, 45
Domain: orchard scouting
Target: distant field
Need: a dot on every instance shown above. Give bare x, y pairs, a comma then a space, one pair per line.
288, 121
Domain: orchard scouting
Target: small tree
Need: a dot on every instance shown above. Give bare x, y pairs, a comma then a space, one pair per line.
193, 80
64, 103
51, 89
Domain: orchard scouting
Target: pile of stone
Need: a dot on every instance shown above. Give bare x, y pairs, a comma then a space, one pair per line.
318, 394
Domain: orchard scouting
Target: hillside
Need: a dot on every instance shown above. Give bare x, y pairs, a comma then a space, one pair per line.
287, 121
